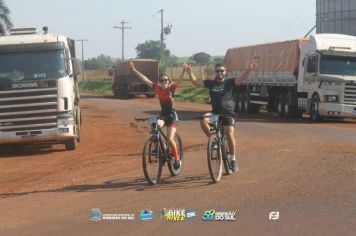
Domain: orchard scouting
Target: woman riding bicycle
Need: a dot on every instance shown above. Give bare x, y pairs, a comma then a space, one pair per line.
165, 89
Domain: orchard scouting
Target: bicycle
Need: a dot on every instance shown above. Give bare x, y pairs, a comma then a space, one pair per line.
218, 149
156, 152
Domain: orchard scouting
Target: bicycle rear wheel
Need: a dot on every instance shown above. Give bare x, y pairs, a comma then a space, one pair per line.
214, 157
152, 166
226, 161
172, 170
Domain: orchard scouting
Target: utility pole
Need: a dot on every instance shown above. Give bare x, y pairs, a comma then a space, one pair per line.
82, 40
162, 39
122, 27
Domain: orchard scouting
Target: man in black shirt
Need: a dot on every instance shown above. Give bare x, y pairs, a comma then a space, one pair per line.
221, 92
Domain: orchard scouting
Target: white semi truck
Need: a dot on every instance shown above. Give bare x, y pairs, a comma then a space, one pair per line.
315, 75
39, 98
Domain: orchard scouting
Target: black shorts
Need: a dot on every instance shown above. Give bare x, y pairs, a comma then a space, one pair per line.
170, 119
228, 120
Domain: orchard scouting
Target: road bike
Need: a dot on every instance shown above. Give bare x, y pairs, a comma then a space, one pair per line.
156, 152
218, 149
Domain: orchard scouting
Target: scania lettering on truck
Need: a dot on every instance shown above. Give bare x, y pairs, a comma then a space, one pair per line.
39, 98
315, 75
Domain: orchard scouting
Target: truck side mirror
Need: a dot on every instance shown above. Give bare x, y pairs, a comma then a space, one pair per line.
77, 66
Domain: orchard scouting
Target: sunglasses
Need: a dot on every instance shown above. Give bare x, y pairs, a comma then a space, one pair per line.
163, 80
220, 71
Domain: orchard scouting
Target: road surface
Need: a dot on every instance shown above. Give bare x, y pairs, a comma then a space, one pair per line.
304, 171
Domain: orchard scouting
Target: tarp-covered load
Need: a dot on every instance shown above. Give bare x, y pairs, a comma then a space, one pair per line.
278, 62
146, 66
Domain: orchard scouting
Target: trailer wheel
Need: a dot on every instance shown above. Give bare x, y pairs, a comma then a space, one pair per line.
246, 102
314, 108
151, 95
280, 105
240, 103
123, 91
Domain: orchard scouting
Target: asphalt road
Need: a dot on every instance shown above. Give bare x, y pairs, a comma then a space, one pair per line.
304, 171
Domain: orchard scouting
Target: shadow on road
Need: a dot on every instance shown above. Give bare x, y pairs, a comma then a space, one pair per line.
22, 150
134, 183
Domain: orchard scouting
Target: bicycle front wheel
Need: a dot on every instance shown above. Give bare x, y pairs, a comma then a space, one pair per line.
214, 157
176, 171
152, 166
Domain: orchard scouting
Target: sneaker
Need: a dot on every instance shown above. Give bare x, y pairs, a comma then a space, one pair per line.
234, 166
177, 164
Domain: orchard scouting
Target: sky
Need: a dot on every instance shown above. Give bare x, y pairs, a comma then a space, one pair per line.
197, 25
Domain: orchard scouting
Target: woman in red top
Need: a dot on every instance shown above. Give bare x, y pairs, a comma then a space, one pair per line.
165, 91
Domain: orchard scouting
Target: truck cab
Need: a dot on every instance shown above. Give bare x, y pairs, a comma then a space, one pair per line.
327, 76
39, 97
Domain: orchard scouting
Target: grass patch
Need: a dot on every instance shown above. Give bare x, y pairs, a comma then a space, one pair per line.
189, 93
98, 86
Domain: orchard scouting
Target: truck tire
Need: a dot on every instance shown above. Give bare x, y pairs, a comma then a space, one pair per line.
247, 104
123, 91
150, 95
280, 105
314, 108
240, 103
71, 145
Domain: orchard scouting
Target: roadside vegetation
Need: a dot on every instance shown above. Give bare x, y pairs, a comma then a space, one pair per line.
99, 82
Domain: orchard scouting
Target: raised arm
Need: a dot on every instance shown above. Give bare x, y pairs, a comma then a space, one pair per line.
180, 79
192, 77
202, 72
140, 75
244, 76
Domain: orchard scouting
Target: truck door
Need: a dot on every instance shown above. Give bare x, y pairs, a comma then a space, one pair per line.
311, 74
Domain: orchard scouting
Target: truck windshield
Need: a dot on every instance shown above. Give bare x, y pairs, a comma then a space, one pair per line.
338, 65
32, 65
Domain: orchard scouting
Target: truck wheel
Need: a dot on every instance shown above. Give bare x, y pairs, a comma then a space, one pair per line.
280, 105
240, 103
314, 108
247, 102
289, 111
123, 91
72, 144
150, 95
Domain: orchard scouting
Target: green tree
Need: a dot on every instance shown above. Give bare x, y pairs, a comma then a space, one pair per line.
5, 23
218, 60
151, 50
201, 58
101, 62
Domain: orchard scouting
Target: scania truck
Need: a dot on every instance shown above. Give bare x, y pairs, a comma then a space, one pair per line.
39, 97
315, 76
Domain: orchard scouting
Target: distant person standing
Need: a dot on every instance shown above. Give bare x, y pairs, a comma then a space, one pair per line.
165, 90
221, 92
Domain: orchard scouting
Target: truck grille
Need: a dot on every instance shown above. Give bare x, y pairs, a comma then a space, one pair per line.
28, 108
350, 93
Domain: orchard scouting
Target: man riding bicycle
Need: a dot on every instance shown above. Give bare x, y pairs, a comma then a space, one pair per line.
221, 92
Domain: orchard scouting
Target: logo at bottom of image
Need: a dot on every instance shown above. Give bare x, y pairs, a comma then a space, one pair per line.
95, 214
213, 215
178, 215
146, 215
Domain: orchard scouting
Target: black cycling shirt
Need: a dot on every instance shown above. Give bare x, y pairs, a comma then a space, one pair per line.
222, 95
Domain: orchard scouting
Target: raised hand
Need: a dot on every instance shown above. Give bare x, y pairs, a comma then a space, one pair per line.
254, 64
